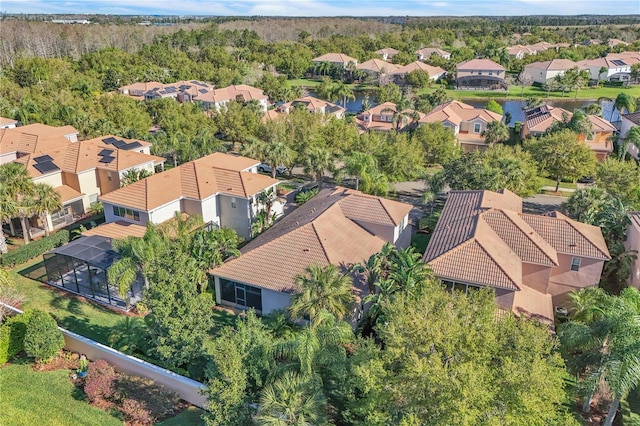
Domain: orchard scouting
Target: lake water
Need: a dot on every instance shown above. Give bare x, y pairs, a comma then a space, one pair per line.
515, 107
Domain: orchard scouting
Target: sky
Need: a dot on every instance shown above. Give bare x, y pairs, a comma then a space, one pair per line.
326, 7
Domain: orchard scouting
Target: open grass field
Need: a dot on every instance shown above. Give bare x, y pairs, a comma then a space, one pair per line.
45, 398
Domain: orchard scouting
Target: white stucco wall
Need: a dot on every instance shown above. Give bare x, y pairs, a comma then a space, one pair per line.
164, 213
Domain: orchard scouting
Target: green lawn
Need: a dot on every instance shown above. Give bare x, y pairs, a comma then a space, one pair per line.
83, 317
517, 92
189, 417
45, 398
550, 182
420, 241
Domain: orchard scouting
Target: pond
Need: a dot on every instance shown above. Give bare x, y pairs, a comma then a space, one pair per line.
515, 107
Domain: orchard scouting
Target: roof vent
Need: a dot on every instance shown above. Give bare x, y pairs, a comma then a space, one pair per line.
573, 245
305, 250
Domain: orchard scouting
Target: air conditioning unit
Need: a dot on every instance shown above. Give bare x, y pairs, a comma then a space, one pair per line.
561, 312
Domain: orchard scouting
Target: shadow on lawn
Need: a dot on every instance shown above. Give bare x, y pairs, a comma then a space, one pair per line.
83, 327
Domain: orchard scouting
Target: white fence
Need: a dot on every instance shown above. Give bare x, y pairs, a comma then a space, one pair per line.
186, 388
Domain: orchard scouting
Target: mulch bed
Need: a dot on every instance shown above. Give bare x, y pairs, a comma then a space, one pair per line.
66, 361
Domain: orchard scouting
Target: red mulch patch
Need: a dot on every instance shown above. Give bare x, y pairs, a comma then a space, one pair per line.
65, 361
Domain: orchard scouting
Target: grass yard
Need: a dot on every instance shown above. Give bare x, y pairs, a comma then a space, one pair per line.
45, 398
189, 417
420, 241
516, 92
550, 182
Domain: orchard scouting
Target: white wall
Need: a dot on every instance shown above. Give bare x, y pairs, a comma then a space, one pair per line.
273, 300
164, 213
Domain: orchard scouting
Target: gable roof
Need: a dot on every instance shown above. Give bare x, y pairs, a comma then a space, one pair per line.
418, 65
457, 112
428, 51
198, 179
377, 65
479, 64
482, 237
16, 140
387, 51
633, 117
40, 129
323, 231
554, 65
539, 119
335, 58
4, 121
312, 104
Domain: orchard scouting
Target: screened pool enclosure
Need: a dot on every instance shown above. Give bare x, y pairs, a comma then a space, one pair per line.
81, 267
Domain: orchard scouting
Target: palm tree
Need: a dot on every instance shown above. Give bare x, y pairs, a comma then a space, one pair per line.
134, 175
578, 123
496, 131
632, 137
278, 153
45, 200
601, 71
583, 201
623, 102
127, 335
7, 212
292, 400
358, 163
18, 187
341, 90
317, 160
322, 289
593, 109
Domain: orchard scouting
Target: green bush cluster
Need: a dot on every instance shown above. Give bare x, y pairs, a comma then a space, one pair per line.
34, 249
43, 339
12, 334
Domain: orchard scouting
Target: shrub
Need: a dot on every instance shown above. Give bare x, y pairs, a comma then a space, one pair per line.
155, 398
42, 339
135, 412
100, 381
34, 249
12, 334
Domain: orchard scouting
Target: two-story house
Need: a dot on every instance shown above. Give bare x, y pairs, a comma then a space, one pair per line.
618, 66
339, 226
483, 239
467, 122
540, 72
222, 189
385, 118
81, 171
387, 53
20, 141
480, 73
216, 99
539, 119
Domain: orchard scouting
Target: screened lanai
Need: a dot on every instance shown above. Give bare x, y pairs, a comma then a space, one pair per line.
80, 267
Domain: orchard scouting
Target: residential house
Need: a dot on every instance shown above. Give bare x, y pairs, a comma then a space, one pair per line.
16, 142
425, 53
181, 91
519, 51
591, 42
618, 66
7, 123
467, 122
81, 171
337, 59
435, 73
377, 67
218, 98
541, 46
338, 226
222, 189
627, 121
313, 105
385, 118
483, 239
137, 90
539, 119
540, 72
387, 53
44, 130
615, 42
480, 73
632, 242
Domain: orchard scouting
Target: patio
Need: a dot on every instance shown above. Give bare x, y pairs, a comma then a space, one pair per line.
80, 267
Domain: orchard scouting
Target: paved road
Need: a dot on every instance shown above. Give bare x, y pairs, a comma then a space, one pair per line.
541, 203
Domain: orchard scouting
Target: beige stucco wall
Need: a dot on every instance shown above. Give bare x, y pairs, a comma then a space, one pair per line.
563, 280
54, 179
633, 243
8, 157
89, 185
108, 181
536, 276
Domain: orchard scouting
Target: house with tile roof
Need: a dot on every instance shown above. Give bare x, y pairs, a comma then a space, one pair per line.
633, 243
519, 51
480, 73
467, 122
425, 53
19, 141
217, 98
221, 188
7, 123
313, 105
628, 121
435, 73
81, 171
618, 66
181, 91
385, 118
539, 119
387, 53
377, 67
483, 239
540, 72
337, 59
338, 226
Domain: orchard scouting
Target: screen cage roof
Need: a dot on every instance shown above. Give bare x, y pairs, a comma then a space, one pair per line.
94, 250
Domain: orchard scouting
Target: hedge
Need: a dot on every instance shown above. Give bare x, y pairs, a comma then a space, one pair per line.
34, 249
12, 336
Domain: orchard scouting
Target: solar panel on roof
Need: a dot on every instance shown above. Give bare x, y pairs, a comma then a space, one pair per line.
107, 159
42, 159
618, 62
46, 167
109, 140
105, 152
202, 90
119, 143
170, 89
132, 145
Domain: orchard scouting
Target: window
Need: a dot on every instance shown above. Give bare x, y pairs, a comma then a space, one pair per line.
575, 264
477, 127
233, 203
241, 294
126, 213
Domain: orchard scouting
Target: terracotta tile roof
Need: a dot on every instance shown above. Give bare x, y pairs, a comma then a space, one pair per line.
335, 58
569, 236
67, 193
633, 117
271, 115
479, 64
231, 93
5, 121
386, 50
39, 129
371, 209
418, 65
142, 86
428, 51
530, 303
635, 219
312, 104
368, 120
117, 230
555, 64
457, 112
539, 119
377, 65
16, 140
320, 231
483, 237
514, 50
199, 179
